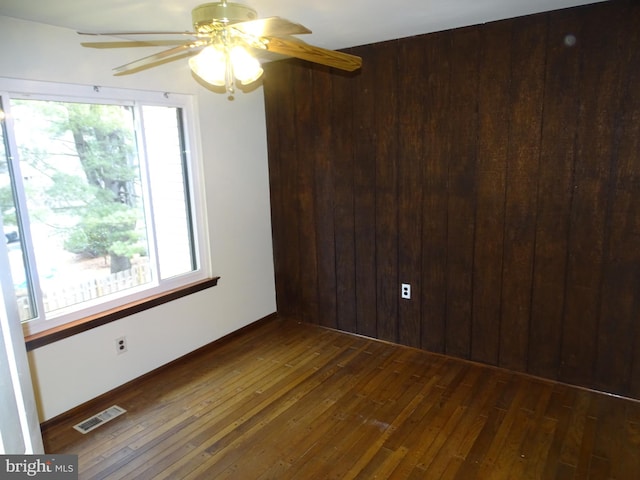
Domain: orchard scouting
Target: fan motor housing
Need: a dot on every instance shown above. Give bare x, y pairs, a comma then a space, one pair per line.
209, 14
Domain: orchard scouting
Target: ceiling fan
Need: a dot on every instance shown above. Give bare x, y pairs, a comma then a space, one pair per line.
220, 47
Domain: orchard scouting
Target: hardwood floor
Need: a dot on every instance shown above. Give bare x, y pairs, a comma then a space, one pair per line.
295, 401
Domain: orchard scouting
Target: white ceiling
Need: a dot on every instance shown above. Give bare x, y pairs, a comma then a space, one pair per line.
335, 23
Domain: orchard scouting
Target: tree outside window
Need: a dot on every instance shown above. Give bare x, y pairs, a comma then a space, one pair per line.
98, 204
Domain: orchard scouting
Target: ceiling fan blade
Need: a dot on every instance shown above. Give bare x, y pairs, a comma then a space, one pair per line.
133, 43
160, 58
299, 49
267, 27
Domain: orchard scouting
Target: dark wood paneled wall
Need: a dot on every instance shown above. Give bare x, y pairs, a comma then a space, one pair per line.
495, 168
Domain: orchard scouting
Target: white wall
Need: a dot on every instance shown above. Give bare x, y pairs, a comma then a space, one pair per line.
233, 144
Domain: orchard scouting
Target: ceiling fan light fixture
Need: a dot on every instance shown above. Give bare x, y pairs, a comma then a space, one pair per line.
225, 35
246, 68
217, 67
210, 65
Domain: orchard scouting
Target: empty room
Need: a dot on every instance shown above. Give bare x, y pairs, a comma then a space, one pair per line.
278, 240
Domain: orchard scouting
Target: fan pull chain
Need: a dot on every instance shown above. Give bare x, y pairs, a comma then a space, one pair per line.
228, 74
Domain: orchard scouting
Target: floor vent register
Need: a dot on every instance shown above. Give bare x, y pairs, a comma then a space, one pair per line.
99, 419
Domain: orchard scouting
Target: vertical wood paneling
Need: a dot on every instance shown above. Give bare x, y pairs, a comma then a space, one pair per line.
304, 188
435, 167
282, 149
495, 168
342, 156
528, 43
629, 187
493, 142
620, 306
599, 80
461, 190
364, 141
386, 187
555, 187
319, 151
411, 125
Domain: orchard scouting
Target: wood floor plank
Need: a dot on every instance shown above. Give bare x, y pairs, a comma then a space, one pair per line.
450, 416
573, 439
426, 415
560, 411
583, 467
383, 463
536, 451
512, 416
524, 450
494, 418
288, 401
458, 441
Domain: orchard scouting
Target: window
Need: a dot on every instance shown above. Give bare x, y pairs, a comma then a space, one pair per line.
98, 198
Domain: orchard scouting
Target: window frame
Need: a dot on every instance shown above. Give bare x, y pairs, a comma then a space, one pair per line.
195, 191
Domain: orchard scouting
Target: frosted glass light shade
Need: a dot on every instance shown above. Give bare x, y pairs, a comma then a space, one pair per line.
246, 68
210, 65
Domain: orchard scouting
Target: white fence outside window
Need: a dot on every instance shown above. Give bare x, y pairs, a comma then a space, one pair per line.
67, 295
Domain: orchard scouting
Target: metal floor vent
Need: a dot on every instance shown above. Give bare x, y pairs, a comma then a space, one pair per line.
99, 419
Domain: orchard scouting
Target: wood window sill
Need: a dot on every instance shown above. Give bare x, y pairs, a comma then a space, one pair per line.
46, 337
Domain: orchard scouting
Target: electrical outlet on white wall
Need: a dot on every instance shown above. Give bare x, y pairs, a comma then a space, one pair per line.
121, 345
